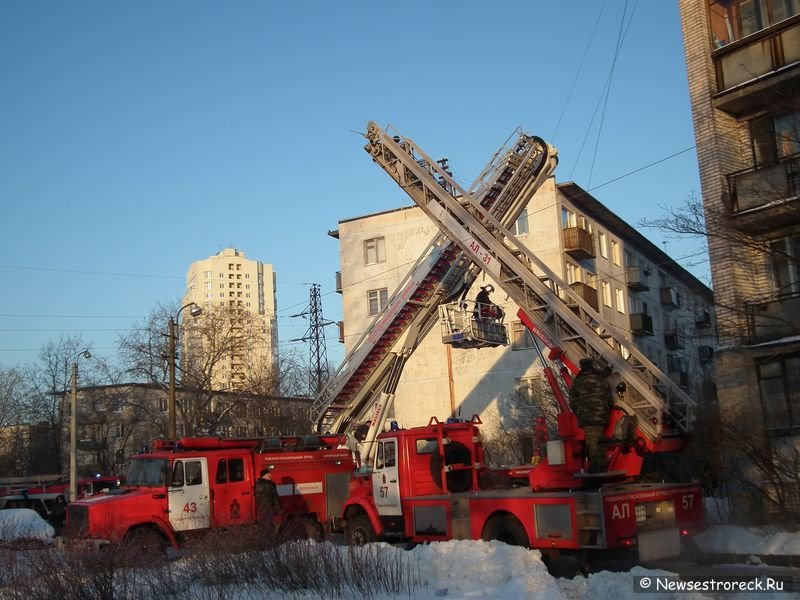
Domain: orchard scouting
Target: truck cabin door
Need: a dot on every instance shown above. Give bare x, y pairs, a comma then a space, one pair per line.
233, 486
189, 498
385, 482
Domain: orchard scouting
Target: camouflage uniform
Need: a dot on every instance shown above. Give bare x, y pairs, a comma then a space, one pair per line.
590, 399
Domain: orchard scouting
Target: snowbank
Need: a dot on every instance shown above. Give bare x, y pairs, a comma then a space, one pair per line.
24, 524
731, 539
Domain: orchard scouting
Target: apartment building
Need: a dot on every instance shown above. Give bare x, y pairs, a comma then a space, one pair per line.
743, 65
664, 309
231, 284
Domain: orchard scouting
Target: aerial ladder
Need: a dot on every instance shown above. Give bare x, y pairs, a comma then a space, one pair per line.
362, 389
550, 309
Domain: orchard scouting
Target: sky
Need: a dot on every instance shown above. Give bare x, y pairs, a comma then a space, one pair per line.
466, 569
138, 137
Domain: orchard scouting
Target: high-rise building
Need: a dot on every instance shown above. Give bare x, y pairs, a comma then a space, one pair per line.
228, 284
743, 64
629, 280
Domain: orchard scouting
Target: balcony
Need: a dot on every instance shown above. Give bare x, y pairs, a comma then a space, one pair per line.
670, 298
578, 243
756, 71
673, 339
339, 282
586, 293
340, 326
766, 196
641, 324
637, 278
702, 319
773, 320
705, 354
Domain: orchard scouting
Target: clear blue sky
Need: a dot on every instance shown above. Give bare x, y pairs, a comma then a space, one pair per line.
137, 137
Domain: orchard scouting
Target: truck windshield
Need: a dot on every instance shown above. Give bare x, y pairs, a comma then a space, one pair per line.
148, 472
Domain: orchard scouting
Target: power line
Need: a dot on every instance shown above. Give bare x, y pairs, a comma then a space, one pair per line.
81, 272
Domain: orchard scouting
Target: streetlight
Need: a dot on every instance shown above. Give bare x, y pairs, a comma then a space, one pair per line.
196, 311
73, 429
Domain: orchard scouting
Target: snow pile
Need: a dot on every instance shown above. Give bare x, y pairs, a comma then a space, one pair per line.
477, 569
731, 539
24, 524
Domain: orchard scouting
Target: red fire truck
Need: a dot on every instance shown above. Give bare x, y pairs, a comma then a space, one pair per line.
430, 483
183, 488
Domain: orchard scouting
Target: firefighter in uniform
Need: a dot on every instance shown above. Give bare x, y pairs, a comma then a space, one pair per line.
590, 399
267, 502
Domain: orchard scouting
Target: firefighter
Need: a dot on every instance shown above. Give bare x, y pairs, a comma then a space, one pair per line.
485, 309
591, 399
267, 502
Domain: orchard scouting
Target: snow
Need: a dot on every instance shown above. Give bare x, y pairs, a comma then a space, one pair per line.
478, 570
24, 524
763, 541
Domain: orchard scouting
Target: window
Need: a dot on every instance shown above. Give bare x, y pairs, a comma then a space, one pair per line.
573, 273
207, 274
775, 137
521, 225
615, 255
603, 244
620, 300
427, 446
732, 20
386, 456
194, 472
374, 251
377, 300
779, 384
222, 471
786, 265
607, 294
521, 338
568, 218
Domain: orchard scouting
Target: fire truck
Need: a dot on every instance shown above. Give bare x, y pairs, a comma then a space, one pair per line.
177, 490
431, 483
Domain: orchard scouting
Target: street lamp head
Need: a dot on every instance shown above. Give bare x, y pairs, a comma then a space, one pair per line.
196, 310
86, 354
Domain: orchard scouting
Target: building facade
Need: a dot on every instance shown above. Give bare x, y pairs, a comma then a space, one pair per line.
231, 284
632, 283
743, 65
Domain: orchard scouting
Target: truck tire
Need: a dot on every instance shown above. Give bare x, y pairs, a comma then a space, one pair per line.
454, 453
359, 531
507, 529
144, 546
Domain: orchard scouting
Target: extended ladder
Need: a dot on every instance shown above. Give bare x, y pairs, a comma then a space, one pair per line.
366, 380
657, 401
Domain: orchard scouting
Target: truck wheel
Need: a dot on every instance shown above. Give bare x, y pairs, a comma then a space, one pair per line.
506, 529
144, 546
359, 531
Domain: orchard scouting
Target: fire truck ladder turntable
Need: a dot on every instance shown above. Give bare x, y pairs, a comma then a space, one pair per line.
661, 406
363, 387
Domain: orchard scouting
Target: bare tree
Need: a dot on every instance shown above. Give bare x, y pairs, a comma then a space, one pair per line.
222, 350
47, 381
514, 431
